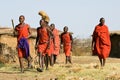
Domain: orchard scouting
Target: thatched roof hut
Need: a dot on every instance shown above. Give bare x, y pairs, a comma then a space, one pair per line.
115, 44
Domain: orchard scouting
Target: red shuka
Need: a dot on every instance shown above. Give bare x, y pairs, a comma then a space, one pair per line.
22, 32
101, 37
66, 43
43, 39
57, 41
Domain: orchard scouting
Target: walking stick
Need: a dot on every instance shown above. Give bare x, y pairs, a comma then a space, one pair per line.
13, 27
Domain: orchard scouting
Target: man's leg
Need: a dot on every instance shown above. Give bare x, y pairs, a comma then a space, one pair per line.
66, 59
29, 62
104, 61
39, 59
70, 60
40, 63
51, 60
55, 57
100, 59
46, 61
21, 64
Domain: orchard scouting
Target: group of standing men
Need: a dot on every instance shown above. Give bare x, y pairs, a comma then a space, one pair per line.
48, 42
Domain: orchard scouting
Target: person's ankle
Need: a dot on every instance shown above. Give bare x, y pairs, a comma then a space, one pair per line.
22, 70
29, 65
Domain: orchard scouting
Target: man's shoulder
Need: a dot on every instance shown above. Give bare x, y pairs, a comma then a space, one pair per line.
97, 25
105, 25
56, 30
17, 25
39, 28
63, 33
27, 25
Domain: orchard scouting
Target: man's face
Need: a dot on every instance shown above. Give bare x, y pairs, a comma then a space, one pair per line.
65, 29
42, 22
52, 27
102, 21
21, 19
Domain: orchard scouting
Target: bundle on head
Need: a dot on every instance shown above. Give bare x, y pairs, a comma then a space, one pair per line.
44, 16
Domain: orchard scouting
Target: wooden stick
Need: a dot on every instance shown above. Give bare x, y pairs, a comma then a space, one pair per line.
13, 27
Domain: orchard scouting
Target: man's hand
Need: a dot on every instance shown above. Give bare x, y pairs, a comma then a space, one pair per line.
16, 47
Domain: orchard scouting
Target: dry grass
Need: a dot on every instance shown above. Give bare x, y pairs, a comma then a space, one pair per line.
79, 70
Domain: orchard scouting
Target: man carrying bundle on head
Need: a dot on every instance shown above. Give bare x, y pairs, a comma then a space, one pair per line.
43, 41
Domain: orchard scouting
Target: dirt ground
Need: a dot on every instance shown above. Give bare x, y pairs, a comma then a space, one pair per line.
81, 67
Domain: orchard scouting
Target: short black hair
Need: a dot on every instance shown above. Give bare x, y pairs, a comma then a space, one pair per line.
52, 24
65, 27
101, 19
22, 16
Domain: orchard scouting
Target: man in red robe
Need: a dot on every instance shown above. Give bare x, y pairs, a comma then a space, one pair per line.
67, 40
43, 44
23, 32
56, 41
101, 44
